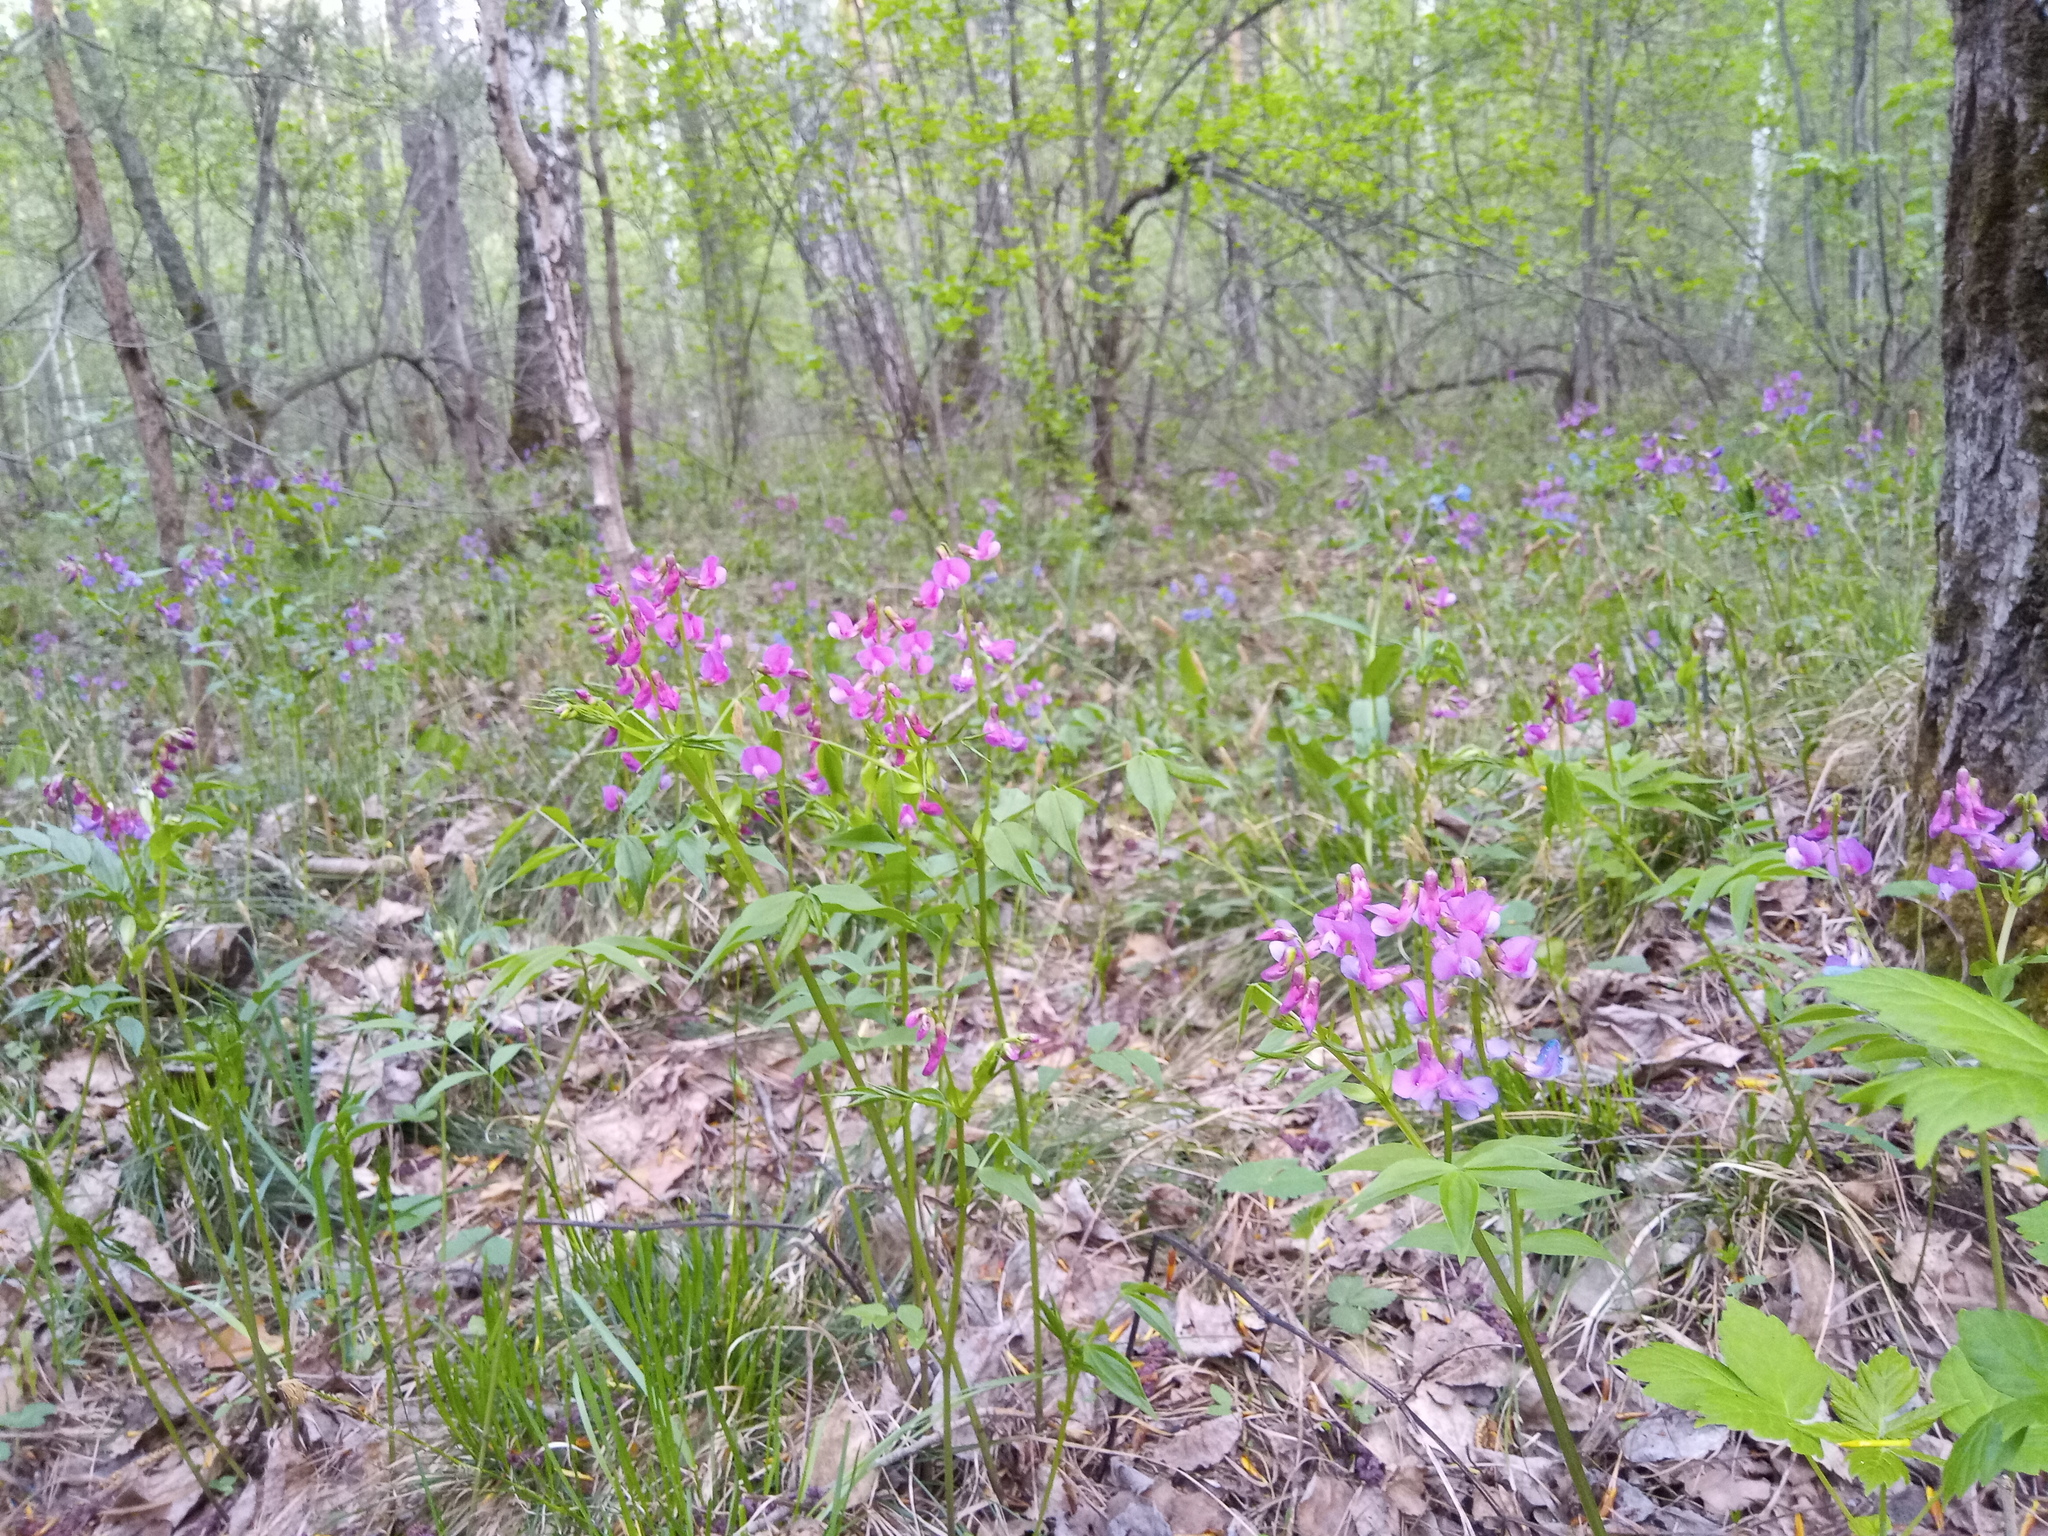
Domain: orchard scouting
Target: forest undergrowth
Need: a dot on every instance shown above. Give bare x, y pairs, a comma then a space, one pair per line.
1304, 1004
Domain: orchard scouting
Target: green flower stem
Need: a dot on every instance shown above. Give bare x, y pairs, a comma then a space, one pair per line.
1567, 1442
1992, 1239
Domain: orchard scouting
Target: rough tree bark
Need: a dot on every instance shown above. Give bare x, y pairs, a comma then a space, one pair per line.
124, 330
440, 236
534, 423
152, 411
1985, 705
556, 231
242, 417
608, 224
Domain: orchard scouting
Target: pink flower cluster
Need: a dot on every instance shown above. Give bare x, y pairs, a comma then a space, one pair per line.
1822, 847
1785, 397
1963, 814
168, 756
1455, 925
90, 816
1570, 703
653, 611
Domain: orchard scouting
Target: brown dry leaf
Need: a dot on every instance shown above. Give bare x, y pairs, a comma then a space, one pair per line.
1946, 1272
840, 1442
1188, 1511
1325, 1509
1813, 1295
1668, 1435
141, 1284
1203, 1445
1721, 1493
153, 1496
98, 1082
1464, 1352
646, 1139
1207, 1329
317, 1472
20, 1229
1145, 949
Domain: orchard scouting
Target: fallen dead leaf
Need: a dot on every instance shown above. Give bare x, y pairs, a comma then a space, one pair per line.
1203, 1445
1665, 1436
1207, 1329
840, 1442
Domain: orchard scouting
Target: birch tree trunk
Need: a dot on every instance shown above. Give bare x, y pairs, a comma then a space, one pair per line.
1985, 705
433, 169
608, 225
547, 177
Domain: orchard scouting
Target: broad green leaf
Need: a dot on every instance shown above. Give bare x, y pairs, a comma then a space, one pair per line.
1109, 1367
1566, 1243
1151, 784
1948, 1015
1004, 1181
1281, 1177
2008, 1349
1008, 845
1149, 1302
1939, 1100
845, 898
1060, 812
1766, 1384
1458, 1194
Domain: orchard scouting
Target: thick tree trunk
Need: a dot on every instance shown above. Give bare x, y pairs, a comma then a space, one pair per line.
548, 179
239, 411
608, 224
124, 330
534, 424
440, 236
1985, 706
152, 411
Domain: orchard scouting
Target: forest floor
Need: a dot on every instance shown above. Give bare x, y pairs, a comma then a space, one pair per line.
405, 1138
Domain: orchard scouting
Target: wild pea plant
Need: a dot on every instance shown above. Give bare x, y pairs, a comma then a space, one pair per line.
1490, 1190
867, 794
1950, 1058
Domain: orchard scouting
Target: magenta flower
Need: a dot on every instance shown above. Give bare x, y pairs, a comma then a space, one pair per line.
898, 515
1415, 1002
1785, 397
1517, 956
1589, 678
2006, 857
1621, 714
875, 659
997, 734
712, 669
708, 575
927, 1028
841, 625
614, 797
1953, 880
762, 762
1001, 652
1453, 706
773, 701
1536, 733
985, 547
951, 572
778, 660
1456, 956
633, 764
1281, 462
930, 595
